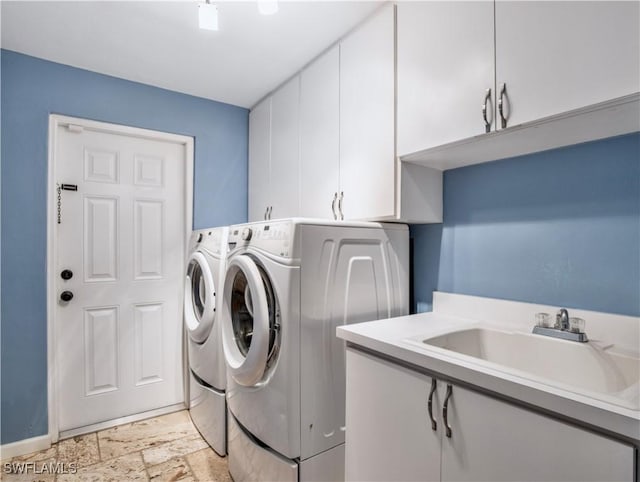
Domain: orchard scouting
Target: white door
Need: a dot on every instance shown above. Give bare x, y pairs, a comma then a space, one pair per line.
523, 445
285, 166
445, 71
259, 160
367, 118
558, 56
122, 236
320, 136
389, 412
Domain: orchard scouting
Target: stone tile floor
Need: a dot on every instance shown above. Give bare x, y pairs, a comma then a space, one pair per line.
166, 448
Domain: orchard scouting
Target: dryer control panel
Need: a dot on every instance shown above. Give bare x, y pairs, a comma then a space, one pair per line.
275, 237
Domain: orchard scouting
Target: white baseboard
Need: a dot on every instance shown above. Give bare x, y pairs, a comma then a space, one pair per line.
23, 447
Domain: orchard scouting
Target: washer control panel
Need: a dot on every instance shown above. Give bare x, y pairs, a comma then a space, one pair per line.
275, 237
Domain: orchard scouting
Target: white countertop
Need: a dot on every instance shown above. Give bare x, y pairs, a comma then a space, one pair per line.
392, 338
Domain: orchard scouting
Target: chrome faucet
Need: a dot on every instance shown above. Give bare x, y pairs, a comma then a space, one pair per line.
562, 319
561, 329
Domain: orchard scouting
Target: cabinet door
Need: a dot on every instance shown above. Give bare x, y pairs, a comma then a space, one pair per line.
367, 118
445, 66
285, 165
259, 159
557, 56
320, 135
494, 440
389, 435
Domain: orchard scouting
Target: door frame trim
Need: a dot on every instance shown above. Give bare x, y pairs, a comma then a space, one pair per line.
56, 121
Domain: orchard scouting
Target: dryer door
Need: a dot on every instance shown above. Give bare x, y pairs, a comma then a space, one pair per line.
249, 327
199, 297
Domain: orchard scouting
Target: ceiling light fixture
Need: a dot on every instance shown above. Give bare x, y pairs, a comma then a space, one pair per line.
267, 7
208, 16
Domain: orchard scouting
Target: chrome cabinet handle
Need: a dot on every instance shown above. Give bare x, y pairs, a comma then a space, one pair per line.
340, 206
445, 409
266, 211
269, 211
487, 122
503, 118
333, 205
434, 425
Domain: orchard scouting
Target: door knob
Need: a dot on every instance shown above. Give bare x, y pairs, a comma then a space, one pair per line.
66, 296
66, 274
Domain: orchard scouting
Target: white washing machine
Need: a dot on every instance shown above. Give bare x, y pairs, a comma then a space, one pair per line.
202, 307
289, 284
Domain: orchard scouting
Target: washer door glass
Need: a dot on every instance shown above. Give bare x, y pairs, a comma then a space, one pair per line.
250, 331
199, 297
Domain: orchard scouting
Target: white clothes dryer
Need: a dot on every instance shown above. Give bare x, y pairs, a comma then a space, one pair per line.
202, 307
288, 285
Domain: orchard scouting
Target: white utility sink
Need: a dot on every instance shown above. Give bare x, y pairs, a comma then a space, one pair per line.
579, 367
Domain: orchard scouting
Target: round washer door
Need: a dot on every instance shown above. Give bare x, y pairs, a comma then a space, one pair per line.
199, 297
247, 322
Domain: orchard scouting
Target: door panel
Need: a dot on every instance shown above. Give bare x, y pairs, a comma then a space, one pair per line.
285, 152
148, 220
101, 350
390, 435
148, 353
524, 445
118, 349
259, 160
445, 66
367, 113
557, 56
320, 135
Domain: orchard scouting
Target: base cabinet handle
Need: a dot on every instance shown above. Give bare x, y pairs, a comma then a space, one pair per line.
445, 410
434, 424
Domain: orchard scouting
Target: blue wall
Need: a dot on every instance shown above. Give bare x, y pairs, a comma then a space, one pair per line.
31, 90
560, 227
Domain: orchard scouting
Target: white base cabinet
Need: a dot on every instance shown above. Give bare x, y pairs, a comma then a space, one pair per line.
390, 434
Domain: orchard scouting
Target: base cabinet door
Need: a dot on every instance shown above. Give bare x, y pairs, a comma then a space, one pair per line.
389, 435
494, 440
392, 434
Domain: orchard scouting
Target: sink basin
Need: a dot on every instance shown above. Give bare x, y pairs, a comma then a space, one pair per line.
612, 377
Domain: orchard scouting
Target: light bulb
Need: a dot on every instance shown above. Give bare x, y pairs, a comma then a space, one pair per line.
208, 16
267, 7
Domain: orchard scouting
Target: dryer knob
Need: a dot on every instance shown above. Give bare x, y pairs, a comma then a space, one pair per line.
246, 234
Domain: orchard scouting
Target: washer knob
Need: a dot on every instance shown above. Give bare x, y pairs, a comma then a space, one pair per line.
246, 234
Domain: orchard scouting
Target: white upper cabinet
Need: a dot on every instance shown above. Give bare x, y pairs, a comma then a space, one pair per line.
560, 73
327, 147
367, 118
558, 56
285, 150
445, 72
274, 183
259, 159
320, 136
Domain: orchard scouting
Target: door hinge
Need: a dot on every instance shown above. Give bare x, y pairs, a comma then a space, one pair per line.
75, 128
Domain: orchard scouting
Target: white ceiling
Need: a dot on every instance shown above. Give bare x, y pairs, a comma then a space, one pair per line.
159, 43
